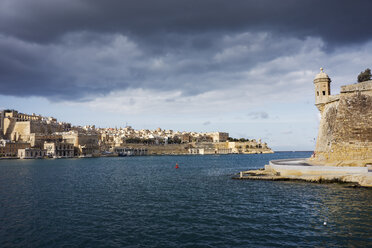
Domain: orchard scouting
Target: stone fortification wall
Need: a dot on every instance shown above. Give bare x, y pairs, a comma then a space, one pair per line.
45, 128
15, 131
250, 147
345, 131
363, 86
208, 147
161, 149
22, 130
84, 143
326, 128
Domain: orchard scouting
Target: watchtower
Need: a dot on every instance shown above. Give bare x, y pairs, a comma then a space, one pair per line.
322, 85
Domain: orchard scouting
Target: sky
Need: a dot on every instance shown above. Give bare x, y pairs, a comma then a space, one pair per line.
241, 66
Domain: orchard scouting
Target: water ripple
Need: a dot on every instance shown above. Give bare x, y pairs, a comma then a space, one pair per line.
145, 202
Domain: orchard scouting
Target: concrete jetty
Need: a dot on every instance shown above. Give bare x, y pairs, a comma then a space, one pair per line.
302, 169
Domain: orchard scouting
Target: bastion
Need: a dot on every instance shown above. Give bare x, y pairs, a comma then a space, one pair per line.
343, 151
345, 129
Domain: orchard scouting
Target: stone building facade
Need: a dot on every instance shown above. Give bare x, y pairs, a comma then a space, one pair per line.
85, 144
345, 129
219, 136
31, 153
10, 149
59, 149
20, 127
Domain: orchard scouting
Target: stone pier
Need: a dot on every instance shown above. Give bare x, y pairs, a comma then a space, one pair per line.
302, 169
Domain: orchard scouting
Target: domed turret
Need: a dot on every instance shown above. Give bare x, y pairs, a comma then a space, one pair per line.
321, 75
322, 85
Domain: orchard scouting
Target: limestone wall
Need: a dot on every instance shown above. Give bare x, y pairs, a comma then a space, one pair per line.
45, 128
22, 130
206, 147
345, 131
16, 131
161, 149
363, 86
298, 170
248, 147
326, 128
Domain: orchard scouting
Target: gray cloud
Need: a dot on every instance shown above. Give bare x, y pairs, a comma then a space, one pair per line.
258, 115
80, 49
42, 20
206, 123
89, 64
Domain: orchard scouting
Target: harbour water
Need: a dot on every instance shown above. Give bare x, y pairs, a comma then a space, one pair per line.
146, 202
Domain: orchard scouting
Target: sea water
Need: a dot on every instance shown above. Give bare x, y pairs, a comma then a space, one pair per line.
147, 202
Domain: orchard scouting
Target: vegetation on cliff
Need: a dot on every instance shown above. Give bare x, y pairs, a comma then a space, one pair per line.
364, 75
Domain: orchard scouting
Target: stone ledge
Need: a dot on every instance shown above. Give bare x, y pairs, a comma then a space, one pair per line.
298, 169
363, 86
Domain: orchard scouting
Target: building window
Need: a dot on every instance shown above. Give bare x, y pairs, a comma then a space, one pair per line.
323, 93
317, 93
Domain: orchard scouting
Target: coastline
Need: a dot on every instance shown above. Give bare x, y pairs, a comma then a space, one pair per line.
151, 154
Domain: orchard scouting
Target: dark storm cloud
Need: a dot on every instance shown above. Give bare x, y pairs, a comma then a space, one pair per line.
41, 20
75, 49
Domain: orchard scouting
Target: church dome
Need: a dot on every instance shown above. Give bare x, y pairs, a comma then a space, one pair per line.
321, 75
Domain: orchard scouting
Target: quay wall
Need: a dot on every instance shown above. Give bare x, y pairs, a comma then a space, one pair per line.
161, 149
299, 170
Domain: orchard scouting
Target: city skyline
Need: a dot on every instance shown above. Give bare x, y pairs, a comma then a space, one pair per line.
245, 68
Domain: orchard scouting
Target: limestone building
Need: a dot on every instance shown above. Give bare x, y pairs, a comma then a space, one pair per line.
345, 129
22, 127
59, 149
10, 149
85, 144
219, 136
31, 153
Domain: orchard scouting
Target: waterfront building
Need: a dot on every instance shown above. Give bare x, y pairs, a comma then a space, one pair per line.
209, 151
10, 149
248, 147
85, 144
46, 133
38, 139
31, 153
59, 149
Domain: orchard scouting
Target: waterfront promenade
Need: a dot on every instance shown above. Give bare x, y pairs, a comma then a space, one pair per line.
302, 169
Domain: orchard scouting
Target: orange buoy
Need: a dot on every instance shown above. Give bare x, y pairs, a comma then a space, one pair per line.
176, 166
